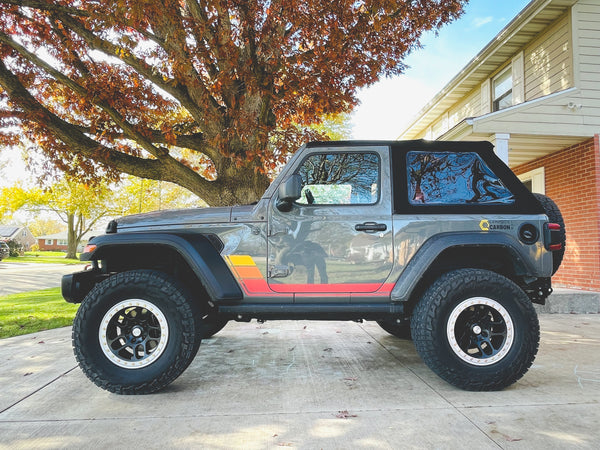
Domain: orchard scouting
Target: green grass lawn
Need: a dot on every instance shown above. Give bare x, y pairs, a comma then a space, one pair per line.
34, 311
43, 257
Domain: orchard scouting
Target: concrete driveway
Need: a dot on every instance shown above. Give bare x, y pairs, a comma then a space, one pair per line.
22, 277
305, 385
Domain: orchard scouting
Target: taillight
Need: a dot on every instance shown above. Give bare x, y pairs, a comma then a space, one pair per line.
552, 237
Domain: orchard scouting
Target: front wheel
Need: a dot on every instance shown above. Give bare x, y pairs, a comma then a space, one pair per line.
135, 332
476, 329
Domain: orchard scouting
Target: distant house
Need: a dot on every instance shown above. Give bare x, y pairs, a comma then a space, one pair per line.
22, 235
53, 242
534, 91
59, 241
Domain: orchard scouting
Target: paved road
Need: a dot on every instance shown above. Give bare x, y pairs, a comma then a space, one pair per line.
305, 385
23, 277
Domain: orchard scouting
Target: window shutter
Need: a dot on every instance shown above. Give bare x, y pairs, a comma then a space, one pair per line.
518, 76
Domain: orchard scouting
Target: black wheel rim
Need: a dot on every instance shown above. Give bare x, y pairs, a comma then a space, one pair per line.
133, 333
480, 331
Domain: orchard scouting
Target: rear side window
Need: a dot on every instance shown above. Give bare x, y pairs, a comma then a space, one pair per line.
446, 178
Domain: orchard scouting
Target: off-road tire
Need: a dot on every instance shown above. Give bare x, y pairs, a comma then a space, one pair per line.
168, 299
400, 330
497, 302
554, 215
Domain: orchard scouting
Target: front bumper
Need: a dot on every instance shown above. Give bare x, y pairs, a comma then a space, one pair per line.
75, 286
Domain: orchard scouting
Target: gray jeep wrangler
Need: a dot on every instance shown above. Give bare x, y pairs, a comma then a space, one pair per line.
436, 241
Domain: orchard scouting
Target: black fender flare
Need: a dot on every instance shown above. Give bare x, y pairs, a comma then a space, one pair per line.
196, 249
433, 247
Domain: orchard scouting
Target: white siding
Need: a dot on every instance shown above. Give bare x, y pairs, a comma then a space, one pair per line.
549, 62
586, 17
486, 97
470, 106
546, 116
440, 126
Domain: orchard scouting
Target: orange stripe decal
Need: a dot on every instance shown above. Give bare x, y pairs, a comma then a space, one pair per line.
254, 283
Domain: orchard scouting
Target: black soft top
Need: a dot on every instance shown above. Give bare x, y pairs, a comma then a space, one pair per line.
525, 202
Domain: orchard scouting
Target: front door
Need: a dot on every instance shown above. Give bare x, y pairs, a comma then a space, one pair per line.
337, 238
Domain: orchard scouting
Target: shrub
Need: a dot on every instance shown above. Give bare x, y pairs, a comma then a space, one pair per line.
16, 248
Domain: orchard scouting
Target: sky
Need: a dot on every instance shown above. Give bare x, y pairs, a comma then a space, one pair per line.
388, 106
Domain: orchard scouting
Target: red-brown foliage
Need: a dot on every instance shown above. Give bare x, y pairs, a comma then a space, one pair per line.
193, 91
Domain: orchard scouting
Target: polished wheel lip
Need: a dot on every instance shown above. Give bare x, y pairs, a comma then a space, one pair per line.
451, 335
117, 309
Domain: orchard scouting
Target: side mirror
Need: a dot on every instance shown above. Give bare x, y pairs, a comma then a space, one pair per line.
289, 191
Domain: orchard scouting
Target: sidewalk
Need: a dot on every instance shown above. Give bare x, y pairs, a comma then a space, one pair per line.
571, 301
305, 385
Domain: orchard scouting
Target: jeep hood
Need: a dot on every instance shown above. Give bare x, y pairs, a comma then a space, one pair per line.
183, 217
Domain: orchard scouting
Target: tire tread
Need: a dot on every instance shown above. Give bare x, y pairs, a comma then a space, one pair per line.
429, 310
177, 295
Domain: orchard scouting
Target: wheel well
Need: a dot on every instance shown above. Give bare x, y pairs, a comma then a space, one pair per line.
154, 257
493, 258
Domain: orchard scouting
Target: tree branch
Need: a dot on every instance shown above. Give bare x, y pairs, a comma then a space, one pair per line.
178, 91
130, 131
47, 6
168, 169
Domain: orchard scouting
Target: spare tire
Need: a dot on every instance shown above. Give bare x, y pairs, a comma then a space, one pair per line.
554, 216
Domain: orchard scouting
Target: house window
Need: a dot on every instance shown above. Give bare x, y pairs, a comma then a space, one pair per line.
503, 84
534, 180
49, 241
62, 242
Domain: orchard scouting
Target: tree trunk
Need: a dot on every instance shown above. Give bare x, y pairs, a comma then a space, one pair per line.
72, 241
237, 185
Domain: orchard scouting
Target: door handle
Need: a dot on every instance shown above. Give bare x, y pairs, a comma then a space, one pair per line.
370, 227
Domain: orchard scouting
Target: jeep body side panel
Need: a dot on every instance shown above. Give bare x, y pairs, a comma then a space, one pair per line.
433, 247
196, 249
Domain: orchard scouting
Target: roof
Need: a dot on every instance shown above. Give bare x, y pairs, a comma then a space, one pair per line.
8, 231
64, 236
524, 28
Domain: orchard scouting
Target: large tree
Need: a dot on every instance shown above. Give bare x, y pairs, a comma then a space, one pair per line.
210, 95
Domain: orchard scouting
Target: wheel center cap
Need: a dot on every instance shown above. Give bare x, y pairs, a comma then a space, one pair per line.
137, 332
476, 329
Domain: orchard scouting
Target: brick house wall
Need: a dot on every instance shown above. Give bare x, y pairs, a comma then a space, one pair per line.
55, 246
573, 182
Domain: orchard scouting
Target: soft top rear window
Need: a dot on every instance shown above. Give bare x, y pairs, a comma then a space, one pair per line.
448, 178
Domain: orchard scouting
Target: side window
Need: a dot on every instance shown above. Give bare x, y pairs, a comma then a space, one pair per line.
340, 179
453, 179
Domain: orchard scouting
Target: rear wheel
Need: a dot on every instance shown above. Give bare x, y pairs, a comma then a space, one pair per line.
476, 329
135, 332
555, 216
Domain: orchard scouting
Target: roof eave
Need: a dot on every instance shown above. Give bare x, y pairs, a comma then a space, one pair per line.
424, 116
